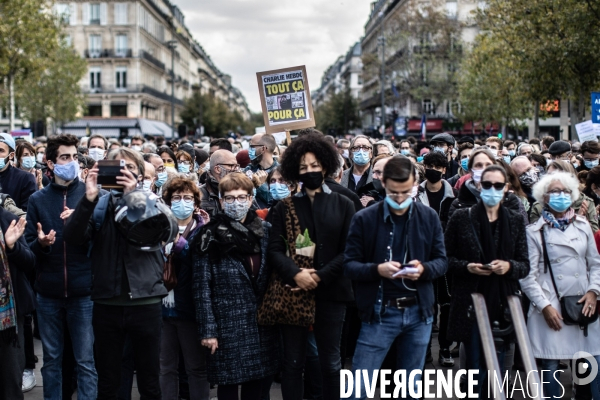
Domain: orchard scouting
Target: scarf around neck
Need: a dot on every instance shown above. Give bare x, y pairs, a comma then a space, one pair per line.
562, 223
8, 313
223, 236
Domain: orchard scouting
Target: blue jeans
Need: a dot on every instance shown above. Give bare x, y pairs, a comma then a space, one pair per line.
78, 313
476, 361
376, 338
552, 389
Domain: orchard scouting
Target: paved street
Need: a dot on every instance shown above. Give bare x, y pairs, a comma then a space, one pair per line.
37, 394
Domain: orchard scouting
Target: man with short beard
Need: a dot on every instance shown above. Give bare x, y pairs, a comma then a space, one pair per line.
222, 162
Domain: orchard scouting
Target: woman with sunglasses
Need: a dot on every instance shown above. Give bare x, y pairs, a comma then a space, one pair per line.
486, 245
230, 279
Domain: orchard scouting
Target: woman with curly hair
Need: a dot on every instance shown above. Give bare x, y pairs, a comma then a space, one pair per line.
326, 216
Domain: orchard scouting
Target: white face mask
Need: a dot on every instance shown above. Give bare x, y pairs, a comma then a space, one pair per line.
135, 147
146, 185
494, 152
346, 153
476, 174
96, 154
415, 191
40, 157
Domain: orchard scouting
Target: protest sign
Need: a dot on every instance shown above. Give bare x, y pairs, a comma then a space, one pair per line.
285, 99
586, 131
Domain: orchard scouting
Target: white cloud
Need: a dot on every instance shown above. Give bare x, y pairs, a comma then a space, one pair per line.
247, 36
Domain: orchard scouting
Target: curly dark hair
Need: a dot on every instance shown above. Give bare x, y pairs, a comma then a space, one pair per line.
435, 159
314, 143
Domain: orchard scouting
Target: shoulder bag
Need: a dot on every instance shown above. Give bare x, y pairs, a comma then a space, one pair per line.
280, 305
570, 309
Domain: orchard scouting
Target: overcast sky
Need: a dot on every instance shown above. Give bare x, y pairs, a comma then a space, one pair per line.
247, 36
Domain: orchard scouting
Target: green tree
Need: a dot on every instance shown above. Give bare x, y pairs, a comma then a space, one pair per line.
217, 119
340, 114
57, 92
29, 33
553, 45
490, 88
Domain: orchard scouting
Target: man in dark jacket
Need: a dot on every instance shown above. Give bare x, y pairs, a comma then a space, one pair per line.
222, 162
15, 182
63, 272
261, 151
394, 251
127, 284
20, 261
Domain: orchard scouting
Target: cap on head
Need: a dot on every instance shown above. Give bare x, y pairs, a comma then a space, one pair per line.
8, 139
559, 147
443, 138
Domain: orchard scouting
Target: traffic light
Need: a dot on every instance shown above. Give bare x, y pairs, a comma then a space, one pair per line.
500, 135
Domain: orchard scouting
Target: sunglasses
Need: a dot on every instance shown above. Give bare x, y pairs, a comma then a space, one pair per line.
488, 185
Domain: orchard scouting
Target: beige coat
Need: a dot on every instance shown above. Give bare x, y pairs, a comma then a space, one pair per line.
576, 265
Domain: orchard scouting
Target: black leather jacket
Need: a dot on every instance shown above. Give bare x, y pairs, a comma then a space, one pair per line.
111, 254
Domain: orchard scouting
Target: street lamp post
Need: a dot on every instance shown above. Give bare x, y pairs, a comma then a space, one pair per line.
172, 44
382, 38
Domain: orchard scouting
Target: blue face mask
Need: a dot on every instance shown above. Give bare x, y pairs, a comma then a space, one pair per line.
161, 178
464, 163
506, 159
439, 150
512, 153
405, 152
590, 164
419, 159
560, 202
182, 209
397, 206
279, 191
491, 196
575, 165
252, 153
3, 162
184, 169
28, 162
67, 172
361, 157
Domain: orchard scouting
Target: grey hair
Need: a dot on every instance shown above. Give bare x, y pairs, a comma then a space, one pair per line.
569, 181
387, 144
339, 169
151, 147
355, 138
523, 145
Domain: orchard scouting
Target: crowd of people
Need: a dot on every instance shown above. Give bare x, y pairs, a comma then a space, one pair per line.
289, 263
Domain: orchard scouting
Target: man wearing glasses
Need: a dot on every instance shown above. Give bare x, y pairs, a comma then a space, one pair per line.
394, 251
222, 162
262, 147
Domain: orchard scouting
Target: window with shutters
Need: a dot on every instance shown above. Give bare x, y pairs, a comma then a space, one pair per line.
95, 79
63, 11
94, 14
121, 45
95, 46
121, 13
121, 78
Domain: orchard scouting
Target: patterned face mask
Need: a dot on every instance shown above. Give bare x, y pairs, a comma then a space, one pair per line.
236, 210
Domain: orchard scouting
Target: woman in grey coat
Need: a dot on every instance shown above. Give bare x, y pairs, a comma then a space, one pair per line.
230, 279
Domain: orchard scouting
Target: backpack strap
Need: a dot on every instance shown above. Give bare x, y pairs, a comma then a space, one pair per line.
98, 218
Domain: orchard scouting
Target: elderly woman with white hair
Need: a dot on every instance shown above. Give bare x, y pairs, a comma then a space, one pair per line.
564, 262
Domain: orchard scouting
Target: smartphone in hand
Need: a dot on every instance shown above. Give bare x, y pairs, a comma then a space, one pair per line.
108, 170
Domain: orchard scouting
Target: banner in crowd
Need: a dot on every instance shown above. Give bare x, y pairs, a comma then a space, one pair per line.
285, 99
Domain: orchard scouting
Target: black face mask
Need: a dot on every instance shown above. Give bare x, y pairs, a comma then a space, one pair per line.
377, 185
433, 176
311, 180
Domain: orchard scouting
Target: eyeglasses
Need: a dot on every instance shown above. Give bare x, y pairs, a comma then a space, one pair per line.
160, 169
357, 148
497, 185
241, 198
279, 181
184, 162
178, 198
255, 146
233, 167
398, 195
559, 191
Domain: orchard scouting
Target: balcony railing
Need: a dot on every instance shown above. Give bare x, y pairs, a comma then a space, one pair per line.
108, 53
153, 60
112, 89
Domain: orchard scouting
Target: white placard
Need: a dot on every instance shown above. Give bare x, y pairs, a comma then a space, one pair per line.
586, 131
597, 129
279, 137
